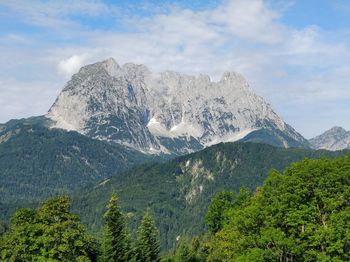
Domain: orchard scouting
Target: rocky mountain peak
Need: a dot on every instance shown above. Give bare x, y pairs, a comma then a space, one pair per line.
336, 138
111, 66
336, 130
162, 112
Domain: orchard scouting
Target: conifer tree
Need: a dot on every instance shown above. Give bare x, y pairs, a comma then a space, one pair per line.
147, 244
116, 245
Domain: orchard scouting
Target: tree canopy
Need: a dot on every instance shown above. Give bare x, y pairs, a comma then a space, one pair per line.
48, 233
302, 214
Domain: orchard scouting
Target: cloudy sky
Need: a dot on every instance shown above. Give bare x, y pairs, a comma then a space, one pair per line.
296, 54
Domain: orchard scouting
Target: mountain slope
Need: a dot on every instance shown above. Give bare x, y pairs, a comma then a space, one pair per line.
178, 192
167, 112
337, 138
37, 162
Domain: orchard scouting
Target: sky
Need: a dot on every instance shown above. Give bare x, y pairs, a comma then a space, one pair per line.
294, 53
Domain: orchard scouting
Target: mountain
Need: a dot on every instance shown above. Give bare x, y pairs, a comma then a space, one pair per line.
178, 192
37, 162
166, 112
337, 138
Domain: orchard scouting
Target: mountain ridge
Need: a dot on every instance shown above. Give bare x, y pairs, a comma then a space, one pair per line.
336, 138
154, 113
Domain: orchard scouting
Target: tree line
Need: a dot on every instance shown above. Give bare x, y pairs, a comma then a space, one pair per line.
302, 214
51, 233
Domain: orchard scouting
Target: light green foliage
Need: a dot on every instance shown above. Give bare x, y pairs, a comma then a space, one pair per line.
116, 246
221, 207
147, 244
215, 217
20, 242
300, 215
50, 233
242, 198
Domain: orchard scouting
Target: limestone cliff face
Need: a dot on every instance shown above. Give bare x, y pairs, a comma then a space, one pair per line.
166, 112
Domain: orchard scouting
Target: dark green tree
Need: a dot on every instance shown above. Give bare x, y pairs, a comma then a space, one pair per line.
116, 245
147, 244
3, 227
215, 217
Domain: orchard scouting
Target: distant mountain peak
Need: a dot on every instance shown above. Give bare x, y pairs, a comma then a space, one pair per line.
336, 129
336, 138
165, 112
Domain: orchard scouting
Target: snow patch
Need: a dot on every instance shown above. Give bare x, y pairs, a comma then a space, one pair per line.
231, 137
157, 129
186, 129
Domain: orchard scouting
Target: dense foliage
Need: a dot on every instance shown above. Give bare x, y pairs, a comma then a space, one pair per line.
310, 210
215, 218
52, 233
178, 192
302, 214
37, 162
49, 233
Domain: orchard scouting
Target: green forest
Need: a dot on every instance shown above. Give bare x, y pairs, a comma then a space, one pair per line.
179, 191
300, 214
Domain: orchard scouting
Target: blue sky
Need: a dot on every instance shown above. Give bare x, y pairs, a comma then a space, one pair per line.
294, 53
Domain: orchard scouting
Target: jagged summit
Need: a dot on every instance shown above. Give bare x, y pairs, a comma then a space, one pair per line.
336, 138
164, 112
111, 66
337, 129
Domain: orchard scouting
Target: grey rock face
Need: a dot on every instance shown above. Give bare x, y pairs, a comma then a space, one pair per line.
166, 112
337, 138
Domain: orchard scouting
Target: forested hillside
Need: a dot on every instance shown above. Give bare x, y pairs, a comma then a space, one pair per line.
37, 162
178, 193
302, 214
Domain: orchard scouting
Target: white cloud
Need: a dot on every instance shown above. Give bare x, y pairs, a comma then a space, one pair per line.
71, 65
251, 20
292, 68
